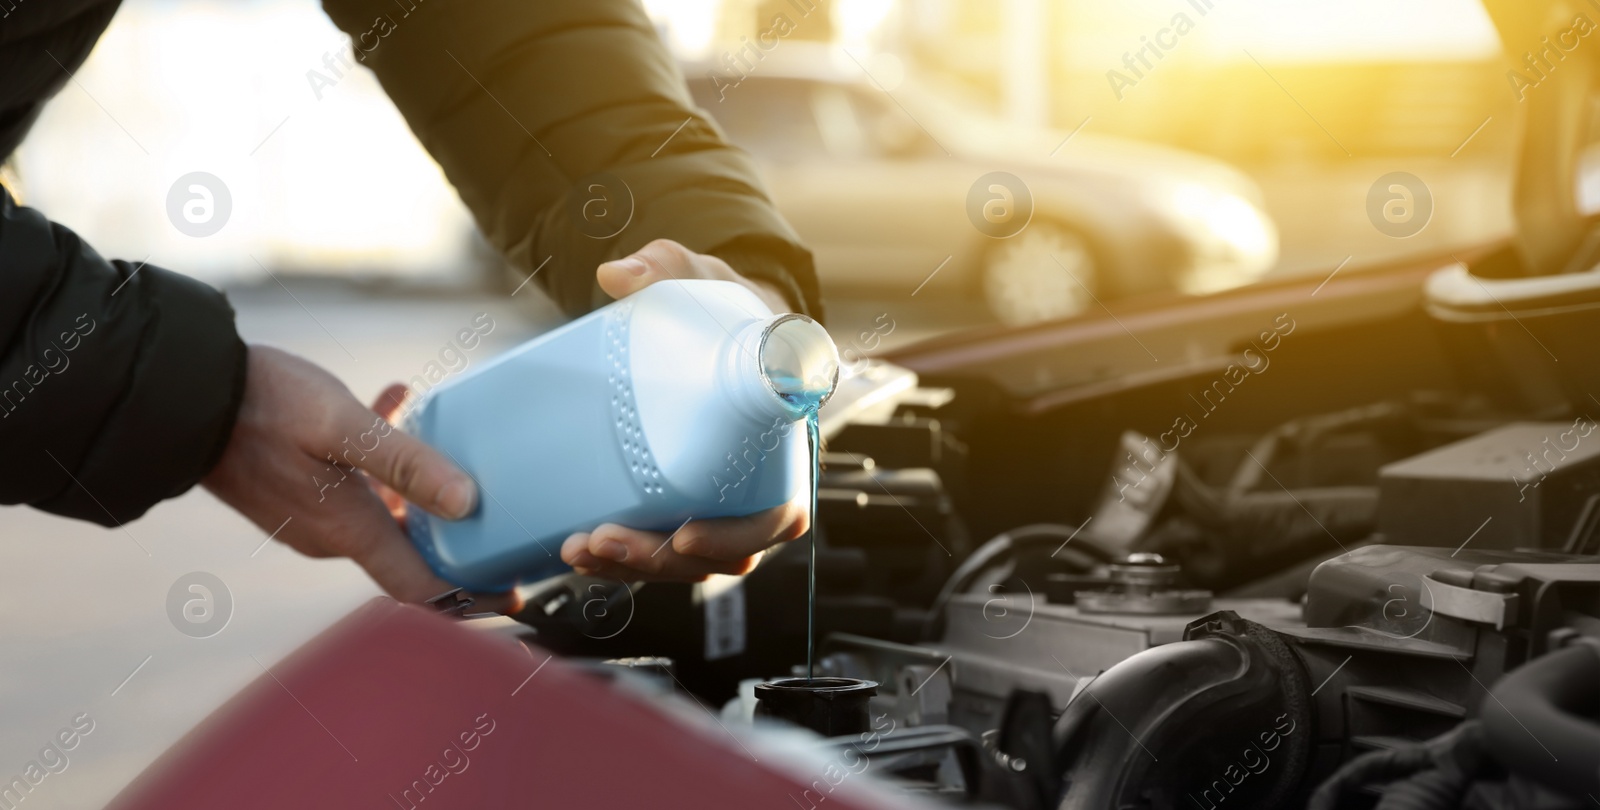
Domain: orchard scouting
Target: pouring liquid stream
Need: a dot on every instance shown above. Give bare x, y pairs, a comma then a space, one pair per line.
801, 364
808, 400
811, 569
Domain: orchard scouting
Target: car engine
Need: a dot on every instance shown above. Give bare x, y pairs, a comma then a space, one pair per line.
1359, 571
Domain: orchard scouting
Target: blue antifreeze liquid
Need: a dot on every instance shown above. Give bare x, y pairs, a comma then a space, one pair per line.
811, 571
806, 396
804, 385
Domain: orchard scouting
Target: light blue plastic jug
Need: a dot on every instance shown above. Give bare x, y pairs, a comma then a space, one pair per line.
680, 401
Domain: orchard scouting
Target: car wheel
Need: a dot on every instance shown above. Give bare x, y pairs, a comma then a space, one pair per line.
1044, 273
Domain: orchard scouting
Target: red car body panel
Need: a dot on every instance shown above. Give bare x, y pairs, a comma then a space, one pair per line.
398, 707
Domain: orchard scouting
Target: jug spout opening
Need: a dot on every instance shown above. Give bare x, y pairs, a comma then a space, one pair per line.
799, 363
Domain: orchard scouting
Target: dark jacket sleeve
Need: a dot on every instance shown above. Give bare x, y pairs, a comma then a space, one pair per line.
523, 102
119, 383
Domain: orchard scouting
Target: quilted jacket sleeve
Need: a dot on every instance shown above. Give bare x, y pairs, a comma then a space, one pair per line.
535, 108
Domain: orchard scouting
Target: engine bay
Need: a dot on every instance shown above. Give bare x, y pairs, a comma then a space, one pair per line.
1330, 550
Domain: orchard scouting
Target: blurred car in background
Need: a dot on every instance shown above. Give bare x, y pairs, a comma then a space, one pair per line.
876, 180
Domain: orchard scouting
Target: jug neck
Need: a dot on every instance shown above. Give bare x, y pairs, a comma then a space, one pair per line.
782, 367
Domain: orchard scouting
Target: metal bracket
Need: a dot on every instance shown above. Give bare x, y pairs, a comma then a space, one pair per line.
455, 603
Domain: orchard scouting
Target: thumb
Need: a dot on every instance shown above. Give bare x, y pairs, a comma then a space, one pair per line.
660, 260
397, 568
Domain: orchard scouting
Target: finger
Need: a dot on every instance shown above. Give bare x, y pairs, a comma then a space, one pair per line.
391, 499
509, 602
411, 468
650, 555
575, 552
400, 571
658, 261
387, 405
736, 538
389, 401
357, 525
378, 544
605, 570
673, 571
670, 569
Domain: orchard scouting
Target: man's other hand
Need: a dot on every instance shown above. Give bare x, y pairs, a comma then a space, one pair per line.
306, 451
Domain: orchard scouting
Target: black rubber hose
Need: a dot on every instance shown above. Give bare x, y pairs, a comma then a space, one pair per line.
1159, 720
1369, 770
999, 549
1541, 720
1431, 775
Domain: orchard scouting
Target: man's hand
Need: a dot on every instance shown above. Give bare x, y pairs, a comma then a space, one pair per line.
665, 259
700, 547
298, 452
